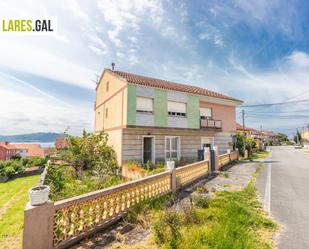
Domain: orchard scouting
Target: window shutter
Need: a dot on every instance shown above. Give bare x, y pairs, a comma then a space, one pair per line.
205, 112
177, 107
144, 104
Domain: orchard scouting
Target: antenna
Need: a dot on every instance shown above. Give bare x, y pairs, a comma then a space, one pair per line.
96, 81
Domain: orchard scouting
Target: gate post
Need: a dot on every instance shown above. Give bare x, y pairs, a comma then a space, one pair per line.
38, 226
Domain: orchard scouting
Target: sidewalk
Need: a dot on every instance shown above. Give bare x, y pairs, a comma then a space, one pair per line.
234, 178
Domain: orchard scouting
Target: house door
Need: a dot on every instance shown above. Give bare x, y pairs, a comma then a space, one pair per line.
148, 149
207, 142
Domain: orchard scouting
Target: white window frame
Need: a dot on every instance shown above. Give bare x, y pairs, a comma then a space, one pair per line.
143, 111
175, 113
206, 117
153, 159
212, 141
178, 149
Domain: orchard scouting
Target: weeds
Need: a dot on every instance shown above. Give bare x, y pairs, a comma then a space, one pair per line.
233, 219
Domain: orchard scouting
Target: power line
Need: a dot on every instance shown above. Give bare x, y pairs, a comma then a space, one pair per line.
278, 103
297, 95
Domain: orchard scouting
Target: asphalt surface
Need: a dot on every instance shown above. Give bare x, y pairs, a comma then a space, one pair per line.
283, 186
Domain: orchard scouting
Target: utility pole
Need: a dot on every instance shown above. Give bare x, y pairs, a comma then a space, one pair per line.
243, 120
243, 127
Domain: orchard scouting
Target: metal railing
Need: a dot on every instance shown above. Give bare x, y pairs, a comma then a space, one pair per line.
210, 123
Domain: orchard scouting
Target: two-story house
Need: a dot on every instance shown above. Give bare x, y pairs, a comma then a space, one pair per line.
7, 150
150, 119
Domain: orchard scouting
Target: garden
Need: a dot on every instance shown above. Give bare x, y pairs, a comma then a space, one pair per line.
10, 168
88, 164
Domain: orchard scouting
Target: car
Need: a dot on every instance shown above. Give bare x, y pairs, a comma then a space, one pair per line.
298, 146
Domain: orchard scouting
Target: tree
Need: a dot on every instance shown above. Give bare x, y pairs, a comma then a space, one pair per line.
240, 141
90, 152
250, 144
243, 142
297, 137
283, 138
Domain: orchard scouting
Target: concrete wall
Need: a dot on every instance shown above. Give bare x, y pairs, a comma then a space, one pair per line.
223, 112
111, 99
160, 108
115, 140
224, 141
190, 142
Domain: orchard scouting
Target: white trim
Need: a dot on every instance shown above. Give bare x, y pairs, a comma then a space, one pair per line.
153, 156
178, 149
211, 138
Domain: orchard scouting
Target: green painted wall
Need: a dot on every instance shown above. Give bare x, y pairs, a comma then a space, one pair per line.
160, 108
131, 118
193, 111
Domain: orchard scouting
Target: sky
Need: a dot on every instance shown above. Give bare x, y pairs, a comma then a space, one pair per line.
257, 51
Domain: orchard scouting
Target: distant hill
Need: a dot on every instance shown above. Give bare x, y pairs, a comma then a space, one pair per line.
39, 137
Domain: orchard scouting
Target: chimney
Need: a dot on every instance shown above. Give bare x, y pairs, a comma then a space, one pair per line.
113, 66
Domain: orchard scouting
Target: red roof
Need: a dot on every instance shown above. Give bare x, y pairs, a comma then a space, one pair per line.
61, 143
7, 145
168, 85
240, 128
33, 149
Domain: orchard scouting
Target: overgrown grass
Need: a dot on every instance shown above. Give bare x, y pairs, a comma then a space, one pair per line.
63, 183
13, 199
233, 219
143, 212
261, 154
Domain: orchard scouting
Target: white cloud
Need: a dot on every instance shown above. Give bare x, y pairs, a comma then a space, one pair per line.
298, 59
23, 110
35, 60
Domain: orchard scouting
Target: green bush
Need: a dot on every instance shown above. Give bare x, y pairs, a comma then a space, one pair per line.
64, 184
11, 167
200, 201
167, 229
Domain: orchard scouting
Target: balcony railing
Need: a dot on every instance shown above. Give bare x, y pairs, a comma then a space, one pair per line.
211, 123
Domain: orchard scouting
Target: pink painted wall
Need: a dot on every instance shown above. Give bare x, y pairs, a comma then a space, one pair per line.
223, 112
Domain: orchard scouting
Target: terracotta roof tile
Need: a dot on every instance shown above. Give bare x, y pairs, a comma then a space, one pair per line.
33, 149
7, 145
240, 127
61, 143
168, 85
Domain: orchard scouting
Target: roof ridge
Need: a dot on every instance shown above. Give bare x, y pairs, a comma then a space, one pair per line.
170, 85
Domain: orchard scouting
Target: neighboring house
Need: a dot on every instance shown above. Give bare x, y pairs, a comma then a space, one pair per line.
23, 152
7, 150
253, 133
305, 136
270, 137
261, 137
61, 143
33, 150
49, 151
154, 120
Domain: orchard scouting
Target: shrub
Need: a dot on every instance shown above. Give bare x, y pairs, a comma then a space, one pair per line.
200, 201
11, 167
90, 152
167, 229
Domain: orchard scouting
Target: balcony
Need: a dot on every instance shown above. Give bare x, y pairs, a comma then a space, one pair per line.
211, 123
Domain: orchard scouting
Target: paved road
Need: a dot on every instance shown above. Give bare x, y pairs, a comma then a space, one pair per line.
283, 185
